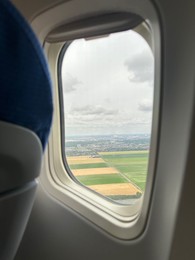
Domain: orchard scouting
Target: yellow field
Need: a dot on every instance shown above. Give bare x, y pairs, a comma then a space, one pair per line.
94, 171
115, 189
83, 160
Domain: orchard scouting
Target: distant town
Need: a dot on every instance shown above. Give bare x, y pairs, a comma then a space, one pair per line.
92, 145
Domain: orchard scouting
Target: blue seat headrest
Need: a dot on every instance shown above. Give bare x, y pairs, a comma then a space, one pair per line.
25, 85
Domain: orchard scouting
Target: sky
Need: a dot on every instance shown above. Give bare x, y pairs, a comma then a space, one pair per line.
108, 85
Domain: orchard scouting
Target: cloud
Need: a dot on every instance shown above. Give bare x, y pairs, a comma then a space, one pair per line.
145, 106
101, 117
70, 83
140, 67
91, 116
93, 110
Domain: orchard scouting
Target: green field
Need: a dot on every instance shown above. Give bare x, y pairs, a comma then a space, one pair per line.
132, 165
101, 179
87, 166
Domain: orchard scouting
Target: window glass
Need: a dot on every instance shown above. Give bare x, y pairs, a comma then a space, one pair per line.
108, 88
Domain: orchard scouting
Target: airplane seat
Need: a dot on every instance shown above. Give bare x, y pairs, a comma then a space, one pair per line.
25, 121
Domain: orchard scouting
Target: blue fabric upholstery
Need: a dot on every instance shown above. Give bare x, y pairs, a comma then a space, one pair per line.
25, 86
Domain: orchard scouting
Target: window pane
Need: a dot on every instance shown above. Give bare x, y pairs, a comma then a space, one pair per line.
108, 97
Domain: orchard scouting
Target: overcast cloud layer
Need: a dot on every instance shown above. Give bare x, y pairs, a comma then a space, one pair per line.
108, 85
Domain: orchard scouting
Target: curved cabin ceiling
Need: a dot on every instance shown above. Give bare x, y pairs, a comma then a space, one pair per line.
30, 9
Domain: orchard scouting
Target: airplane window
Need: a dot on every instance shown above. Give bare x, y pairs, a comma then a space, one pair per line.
107, 86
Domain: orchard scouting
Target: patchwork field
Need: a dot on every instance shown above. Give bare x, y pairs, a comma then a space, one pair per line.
131, 164
113, 174
84, 160
94, 171
116, 189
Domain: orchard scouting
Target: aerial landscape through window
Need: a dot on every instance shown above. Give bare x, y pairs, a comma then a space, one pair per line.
108, 101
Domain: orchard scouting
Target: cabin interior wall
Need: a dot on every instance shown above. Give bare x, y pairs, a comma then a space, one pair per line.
55, 231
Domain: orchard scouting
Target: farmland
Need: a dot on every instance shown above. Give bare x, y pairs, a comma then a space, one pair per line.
132, 165
114, 166
116, 175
